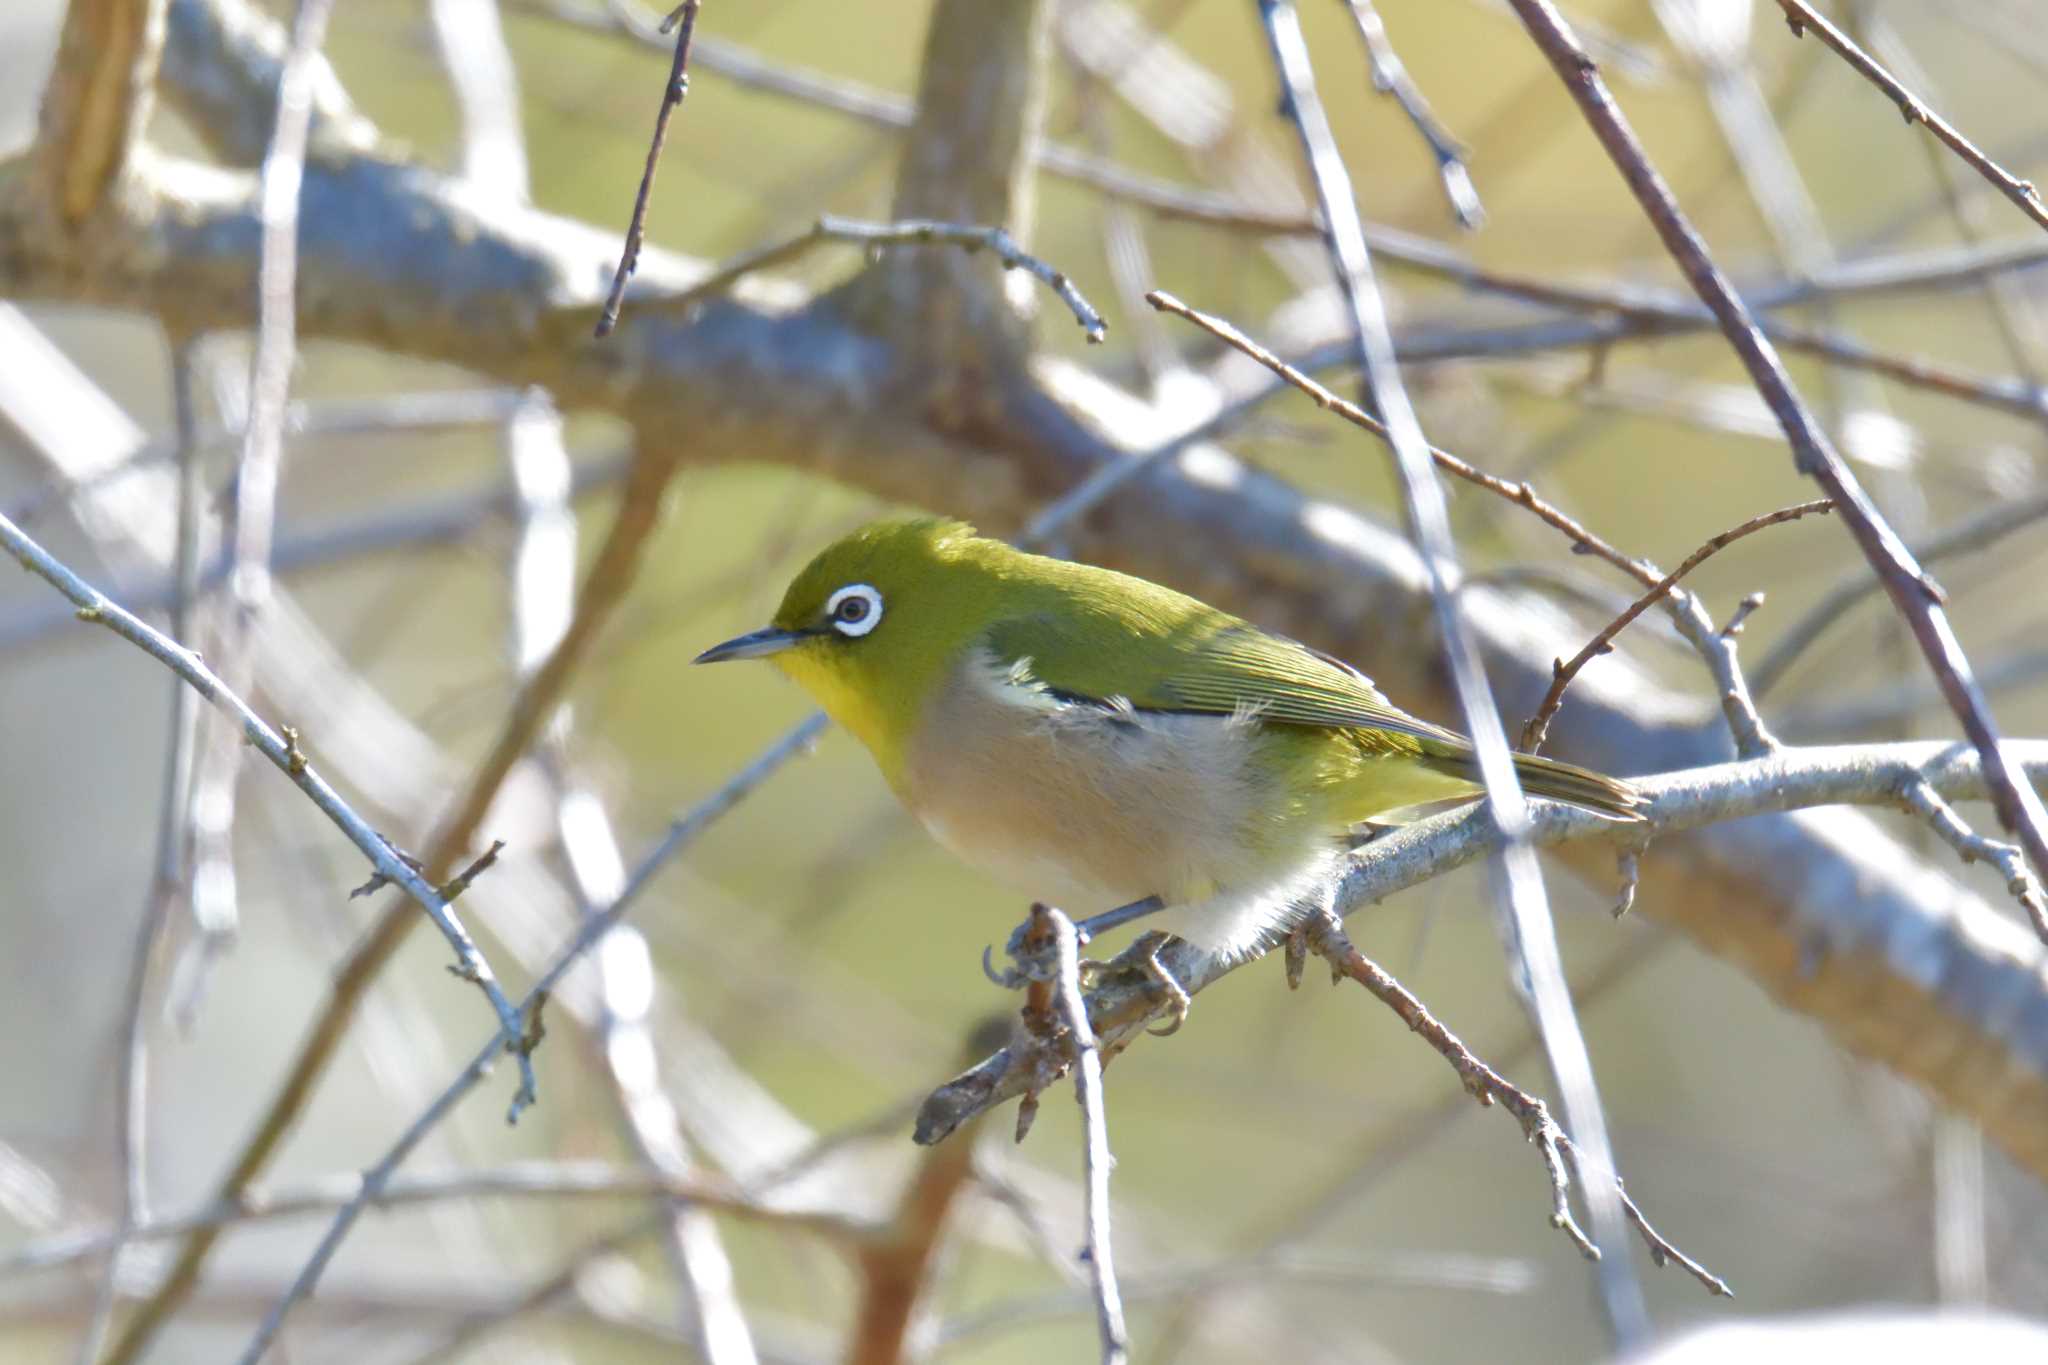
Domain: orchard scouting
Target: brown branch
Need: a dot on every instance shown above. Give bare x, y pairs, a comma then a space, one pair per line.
1584, 540
1914, 593
1483, 1083
1538, 727
684, 20
98, 100
1800, 17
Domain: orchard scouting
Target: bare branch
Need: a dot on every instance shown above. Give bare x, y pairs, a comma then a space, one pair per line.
1914, 593
1488, 1086
1048, 952
223, 60
1800, 16
1972, 847
671, 98
682, 832
1974, 533
1602, 641
168, 882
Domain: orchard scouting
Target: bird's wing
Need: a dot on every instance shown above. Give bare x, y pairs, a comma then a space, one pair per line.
1220, 666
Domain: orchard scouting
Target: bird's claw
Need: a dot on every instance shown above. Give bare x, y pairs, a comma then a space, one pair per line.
1178, 1000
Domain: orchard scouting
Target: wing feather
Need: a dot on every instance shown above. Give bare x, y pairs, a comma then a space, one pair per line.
1217, 665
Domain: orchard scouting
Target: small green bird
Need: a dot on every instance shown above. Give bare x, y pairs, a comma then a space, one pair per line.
1099, 740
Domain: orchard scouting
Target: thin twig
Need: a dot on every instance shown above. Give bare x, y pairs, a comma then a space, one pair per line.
1583, 539
1914, 593
1687, 614
1972, 847
682, 832
285, 754
1488, 1086
671, 98
1531, 937
1800, 16
1054, 929
1562, 672
1390, 77
912, 232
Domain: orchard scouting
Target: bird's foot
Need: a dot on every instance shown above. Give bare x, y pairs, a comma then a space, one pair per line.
1178, 1000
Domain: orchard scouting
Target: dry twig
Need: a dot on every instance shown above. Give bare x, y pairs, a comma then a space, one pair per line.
684, 20
1800, 17
1602, 642
1486, 1085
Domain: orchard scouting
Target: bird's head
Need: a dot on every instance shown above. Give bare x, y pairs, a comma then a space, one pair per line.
873, 623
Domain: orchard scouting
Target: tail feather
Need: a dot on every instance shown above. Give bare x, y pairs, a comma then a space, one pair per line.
1547, 777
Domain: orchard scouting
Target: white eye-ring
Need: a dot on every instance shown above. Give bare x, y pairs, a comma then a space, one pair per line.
855, 609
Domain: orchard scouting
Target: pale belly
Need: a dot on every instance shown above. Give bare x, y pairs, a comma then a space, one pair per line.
1092, 808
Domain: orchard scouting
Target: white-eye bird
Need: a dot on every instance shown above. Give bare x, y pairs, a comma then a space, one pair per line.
1097, 739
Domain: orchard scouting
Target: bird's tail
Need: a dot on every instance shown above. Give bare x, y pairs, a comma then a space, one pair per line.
1546, 777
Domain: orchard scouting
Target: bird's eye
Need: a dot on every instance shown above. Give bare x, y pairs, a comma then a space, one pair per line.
855, 609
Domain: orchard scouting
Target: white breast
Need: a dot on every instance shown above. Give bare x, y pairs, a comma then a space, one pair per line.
1093, 807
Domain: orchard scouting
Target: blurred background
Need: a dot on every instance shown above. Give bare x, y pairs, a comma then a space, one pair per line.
1296, 1173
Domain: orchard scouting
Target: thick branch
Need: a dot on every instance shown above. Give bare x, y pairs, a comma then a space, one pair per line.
223, 60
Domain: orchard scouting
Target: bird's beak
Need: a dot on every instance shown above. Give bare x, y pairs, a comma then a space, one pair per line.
755, 644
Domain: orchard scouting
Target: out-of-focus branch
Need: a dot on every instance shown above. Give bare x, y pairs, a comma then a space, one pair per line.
518, 1180
1528, 933
1974, 533
98, 99
1390, 77
223, 60
682, 832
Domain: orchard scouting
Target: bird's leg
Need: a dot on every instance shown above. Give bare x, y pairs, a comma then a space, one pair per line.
1177, 998
1123, 914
